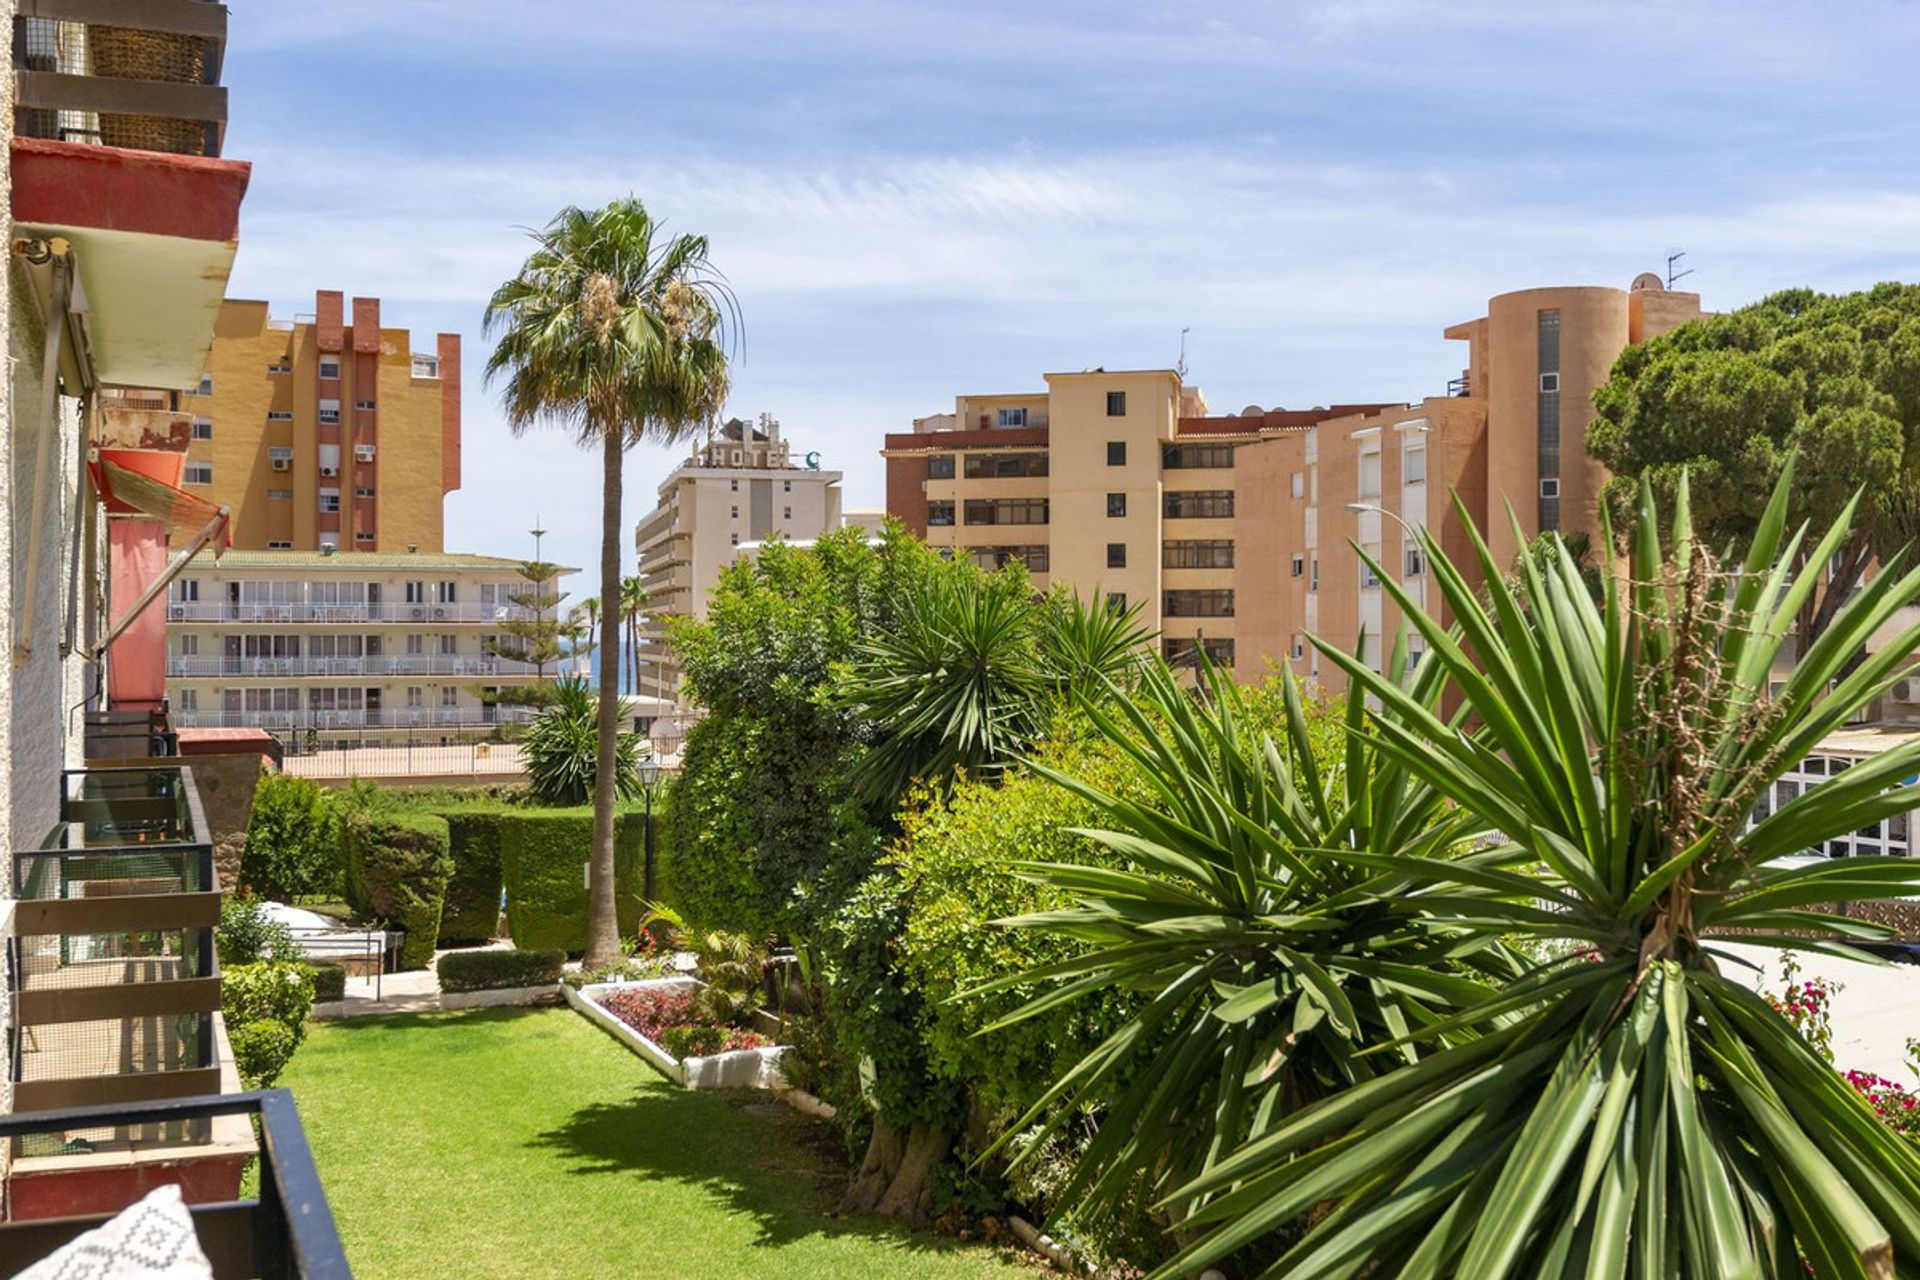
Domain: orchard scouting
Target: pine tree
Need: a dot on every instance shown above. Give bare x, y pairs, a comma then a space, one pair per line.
532, 634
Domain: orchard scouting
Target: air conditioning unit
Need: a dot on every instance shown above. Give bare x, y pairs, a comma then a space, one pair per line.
418, 612
1907, 690
364, 452
283, 464
439, 613
329, 471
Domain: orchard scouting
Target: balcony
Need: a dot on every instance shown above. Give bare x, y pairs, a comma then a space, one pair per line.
141, 75
191, 667
476, 719
215, 611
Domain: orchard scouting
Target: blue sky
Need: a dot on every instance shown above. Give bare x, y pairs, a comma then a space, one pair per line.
914, 199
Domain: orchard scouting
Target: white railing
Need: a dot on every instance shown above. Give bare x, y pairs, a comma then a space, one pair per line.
397, 665
401, 718
216, 611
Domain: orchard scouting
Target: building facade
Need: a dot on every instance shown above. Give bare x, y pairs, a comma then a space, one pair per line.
371, 647
326, 430
740, 487
1234, 533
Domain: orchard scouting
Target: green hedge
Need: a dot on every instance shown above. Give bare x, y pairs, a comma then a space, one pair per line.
492, 970
473, 894
398, 865
543, 857
329, 981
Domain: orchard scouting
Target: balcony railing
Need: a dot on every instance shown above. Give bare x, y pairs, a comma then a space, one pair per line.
218, 611
140, 74
190, 667
473, 718
285, 1233
115, 983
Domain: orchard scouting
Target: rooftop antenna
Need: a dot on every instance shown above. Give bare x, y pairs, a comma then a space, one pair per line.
1673, 260
1181, 368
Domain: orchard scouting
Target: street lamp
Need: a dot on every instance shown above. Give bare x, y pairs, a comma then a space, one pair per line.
649, 771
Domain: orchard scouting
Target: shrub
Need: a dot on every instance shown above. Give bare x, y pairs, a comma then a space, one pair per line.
494, 970
247, 934
651, 1010
543, 855
472, 912
562, 743
293, 839
397, 871
266, 1006
631, 969
693, 1041
329, 981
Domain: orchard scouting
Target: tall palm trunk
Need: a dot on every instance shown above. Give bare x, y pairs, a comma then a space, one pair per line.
603, 924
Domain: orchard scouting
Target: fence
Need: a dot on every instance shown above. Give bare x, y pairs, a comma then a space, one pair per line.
498, 761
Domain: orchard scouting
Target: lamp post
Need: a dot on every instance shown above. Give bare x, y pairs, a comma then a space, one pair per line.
649, 771
1360, 508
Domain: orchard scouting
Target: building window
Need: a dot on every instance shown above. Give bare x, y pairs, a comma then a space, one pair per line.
1012, 417
1116, 453
187, 590
1116, 504
1370, 474
1368, 578
1184, 651
363, 404
279, 415
279, 544
330, 412
414, 698
1199, 504
1007, 511
1005, 466
206, 384
1413, 464
1299, 647
416, 646
1116, 404
416, 592
199, 473
361, 535
736, 511
1313, 573
329, 366
279, 495
1550, 382
1034, 557
1196, 457
1216, 603
939, 467
203, 428
1204, 553
1416, 560
1116, 602
733, 539
447, 592
940, 514
786, 513
330, 500
1550, 488
733, 486
280, 366
1116, 555
1299, 566
449, 645
189, 699
189, 645
786, 486
1299, 484
449, 695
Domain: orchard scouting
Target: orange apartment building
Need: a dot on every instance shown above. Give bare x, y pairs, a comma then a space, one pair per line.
1235, 532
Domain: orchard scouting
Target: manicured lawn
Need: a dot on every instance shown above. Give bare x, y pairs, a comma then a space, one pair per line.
527, 1143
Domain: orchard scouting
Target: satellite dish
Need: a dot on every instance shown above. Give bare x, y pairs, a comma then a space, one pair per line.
1648, 280
1253, 411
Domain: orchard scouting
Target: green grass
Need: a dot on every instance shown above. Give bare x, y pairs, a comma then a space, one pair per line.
507, 1142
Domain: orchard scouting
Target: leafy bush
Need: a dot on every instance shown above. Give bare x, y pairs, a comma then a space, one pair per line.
472, 911
265, 1006
293, 840
397, 870
494, 970
637, 968
689, 1041
678, 1022
247, 934
329, 981
543, 853
561, 746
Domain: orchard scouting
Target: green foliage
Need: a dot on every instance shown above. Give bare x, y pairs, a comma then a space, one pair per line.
1833, 380
629, 969
543, 856
329, 981
472, 911
560, 746
293, 840
248, 934
494, 970
531, 630
398, 865
1627, 1111
693, 1040
265, 1006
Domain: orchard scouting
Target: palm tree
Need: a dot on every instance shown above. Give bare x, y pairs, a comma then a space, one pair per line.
617, 332
633, 598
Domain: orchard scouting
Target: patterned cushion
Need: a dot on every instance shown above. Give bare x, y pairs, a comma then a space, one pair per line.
153, 1240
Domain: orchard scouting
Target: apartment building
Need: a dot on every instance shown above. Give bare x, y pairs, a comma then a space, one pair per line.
1234, 532
326, 430
368, 647
737, 488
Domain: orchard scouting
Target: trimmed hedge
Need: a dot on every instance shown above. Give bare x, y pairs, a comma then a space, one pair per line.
543, 858
473, 894
329, 981
398, 865
493, 970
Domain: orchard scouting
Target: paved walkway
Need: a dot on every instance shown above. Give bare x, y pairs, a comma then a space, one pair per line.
1876, 1008
414, 991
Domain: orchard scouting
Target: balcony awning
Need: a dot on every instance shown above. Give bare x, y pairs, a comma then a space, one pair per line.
153, 237
132, 482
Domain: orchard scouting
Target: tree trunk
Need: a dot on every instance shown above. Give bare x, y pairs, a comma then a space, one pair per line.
603, 925
895, 1178
884, 1151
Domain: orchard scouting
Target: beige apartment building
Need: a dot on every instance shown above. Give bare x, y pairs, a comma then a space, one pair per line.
368, 647
737, 489
1234, 532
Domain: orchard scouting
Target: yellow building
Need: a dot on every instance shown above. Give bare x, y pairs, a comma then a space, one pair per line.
1235, 533
326, 430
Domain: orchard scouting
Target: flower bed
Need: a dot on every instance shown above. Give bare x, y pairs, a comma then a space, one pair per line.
653, 1018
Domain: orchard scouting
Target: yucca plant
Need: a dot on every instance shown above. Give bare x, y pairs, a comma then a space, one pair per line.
1263, 966
1087, 646
560, 746
1628, 1110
